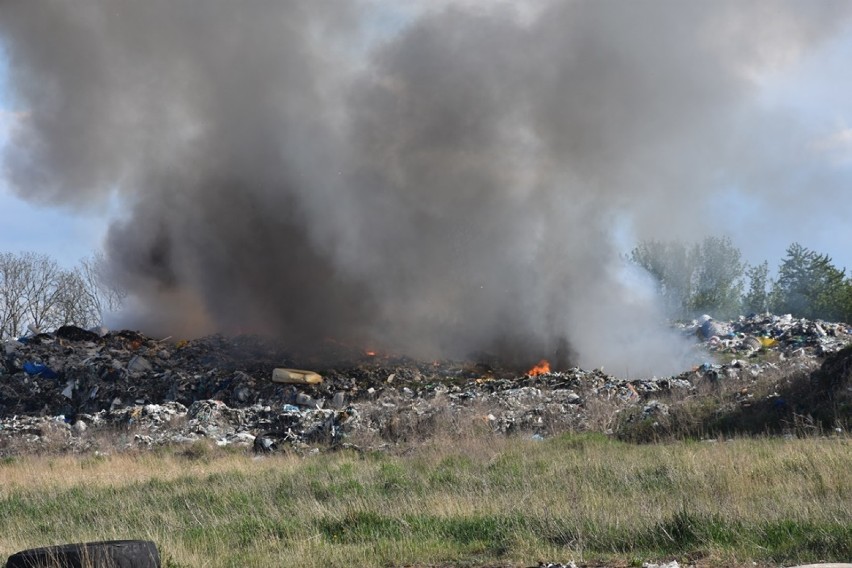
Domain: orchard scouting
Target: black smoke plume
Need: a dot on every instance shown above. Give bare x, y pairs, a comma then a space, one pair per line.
437, 180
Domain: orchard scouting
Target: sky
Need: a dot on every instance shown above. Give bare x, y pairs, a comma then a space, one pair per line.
60, 233
816, 90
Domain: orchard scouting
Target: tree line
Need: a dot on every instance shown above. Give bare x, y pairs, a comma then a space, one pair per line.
36, 291
711, 277
691, 279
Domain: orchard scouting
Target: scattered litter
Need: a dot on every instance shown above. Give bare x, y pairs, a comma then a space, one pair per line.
154, 392
672, 564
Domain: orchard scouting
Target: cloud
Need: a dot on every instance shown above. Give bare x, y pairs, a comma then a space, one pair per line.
837, 147
9, 121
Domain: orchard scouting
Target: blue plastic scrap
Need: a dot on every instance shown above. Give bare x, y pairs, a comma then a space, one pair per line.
31, 368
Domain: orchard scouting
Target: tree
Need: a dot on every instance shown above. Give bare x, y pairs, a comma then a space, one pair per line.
671, 266
810, 286
75, 305
41, 289
12, 302
757, 299
35, 290
103, 294
718, 278
706, 277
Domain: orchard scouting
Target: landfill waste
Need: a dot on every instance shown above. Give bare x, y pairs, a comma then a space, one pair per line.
77, 390
672, 564
792, 337
295, 377
709, 328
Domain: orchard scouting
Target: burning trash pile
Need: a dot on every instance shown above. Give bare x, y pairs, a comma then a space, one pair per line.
78, 390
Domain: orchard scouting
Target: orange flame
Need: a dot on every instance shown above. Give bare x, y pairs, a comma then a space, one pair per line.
541, 368
370, 353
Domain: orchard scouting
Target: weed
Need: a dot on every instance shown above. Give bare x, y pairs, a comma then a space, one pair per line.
506, 501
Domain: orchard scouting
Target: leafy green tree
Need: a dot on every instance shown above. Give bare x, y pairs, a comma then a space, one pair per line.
718, 278
810, 286
706, 277
671, 266
757, 298
846, 302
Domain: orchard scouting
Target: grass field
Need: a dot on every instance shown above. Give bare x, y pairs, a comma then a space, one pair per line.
478, 500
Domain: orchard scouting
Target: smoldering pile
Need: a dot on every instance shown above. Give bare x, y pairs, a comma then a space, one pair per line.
71, 384
74, 390
438, 178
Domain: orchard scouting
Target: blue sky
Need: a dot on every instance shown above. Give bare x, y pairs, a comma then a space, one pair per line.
65, 235
816, 91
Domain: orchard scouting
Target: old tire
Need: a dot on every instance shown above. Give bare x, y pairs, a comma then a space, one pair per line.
112, 554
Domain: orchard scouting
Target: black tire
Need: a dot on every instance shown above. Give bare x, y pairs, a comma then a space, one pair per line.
111, 554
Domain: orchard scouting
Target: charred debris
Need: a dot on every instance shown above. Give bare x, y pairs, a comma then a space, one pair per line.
79, 390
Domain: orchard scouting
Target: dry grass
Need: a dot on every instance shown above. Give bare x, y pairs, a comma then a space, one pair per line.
802, 399
475, 499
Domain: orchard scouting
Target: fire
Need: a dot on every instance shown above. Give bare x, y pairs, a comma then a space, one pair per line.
370, 353
541, 368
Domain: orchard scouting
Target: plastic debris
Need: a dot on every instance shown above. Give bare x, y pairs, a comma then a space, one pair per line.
295, 377
38, 369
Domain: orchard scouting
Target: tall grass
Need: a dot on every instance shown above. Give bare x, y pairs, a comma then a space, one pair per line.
482, 500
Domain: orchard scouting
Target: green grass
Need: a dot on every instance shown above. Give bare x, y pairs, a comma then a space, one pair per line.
465, 501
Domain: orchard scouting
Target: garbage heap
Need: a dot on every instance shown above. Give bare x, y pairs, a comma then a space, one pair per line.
786, 335
748, 347
79, 390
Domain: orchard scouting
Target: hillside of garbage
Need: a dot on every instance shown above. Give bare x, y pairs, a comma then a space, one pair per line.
96, 390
